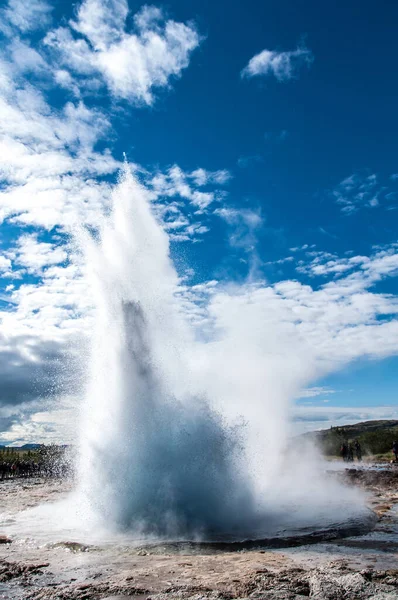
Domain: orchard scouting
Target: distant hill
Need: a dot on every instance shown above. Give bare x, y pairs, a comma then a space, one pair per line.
26, 447
30, 446
375, 437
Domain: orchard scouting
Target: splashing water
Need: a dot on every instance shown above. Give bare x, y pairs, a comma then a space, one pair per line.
156, 456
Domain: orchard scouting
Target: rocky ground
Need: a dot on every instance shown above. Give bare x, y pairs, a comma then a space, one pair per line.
353, 568
334, 581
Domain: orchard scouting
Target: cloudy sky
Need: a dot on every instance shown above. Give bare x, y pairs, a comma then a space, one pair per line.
265, 134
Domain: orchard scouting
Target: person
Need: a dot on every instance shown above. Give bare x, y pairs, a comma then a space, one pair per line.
350, 453
395, 450
343, 451
358, 450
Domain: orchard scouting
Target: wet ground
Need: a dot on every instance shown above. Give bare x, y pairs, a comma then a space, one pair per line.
355, 567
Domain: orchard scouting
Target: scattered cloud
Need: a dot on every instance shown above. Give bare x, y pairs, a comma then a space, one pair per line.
360, 271
303, 247
280, 261
365, 191
356, 191
284, 66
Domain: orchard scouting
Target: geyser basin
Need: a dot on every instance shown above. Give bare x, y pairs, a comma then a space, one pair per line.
286, 534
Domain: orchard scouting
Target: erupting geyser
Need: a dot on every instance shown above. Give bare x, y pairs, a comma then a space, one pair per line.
156, 457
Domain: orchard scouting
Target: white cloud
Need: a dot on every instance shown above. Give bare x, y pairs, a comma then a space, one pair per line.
35, 421
50, 172
34, 255
314, 391
102, 23
5, 265
25, 58
131, 64
202, 177
313, 418
26, 16
282, 65
65, 80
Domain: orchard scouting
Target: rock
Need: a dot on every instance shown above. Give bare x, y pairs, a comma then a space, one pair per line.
72, 546
12, 570
5, 540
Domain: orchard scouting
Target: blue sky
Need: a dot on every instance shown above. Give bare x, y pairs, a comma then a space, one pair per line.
265, 133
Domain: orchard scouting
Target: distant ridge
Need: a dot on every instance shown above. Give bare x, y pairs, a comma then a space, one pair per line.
30, 446
375, 437
356, 429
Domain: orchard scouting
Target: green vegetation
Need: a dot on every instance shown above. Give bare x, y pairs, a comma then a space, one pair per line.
376, 438
38, 454
9, 454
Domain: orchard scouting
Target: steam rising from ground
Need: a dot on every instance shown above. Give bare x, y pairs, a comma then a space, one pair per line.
182, 437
